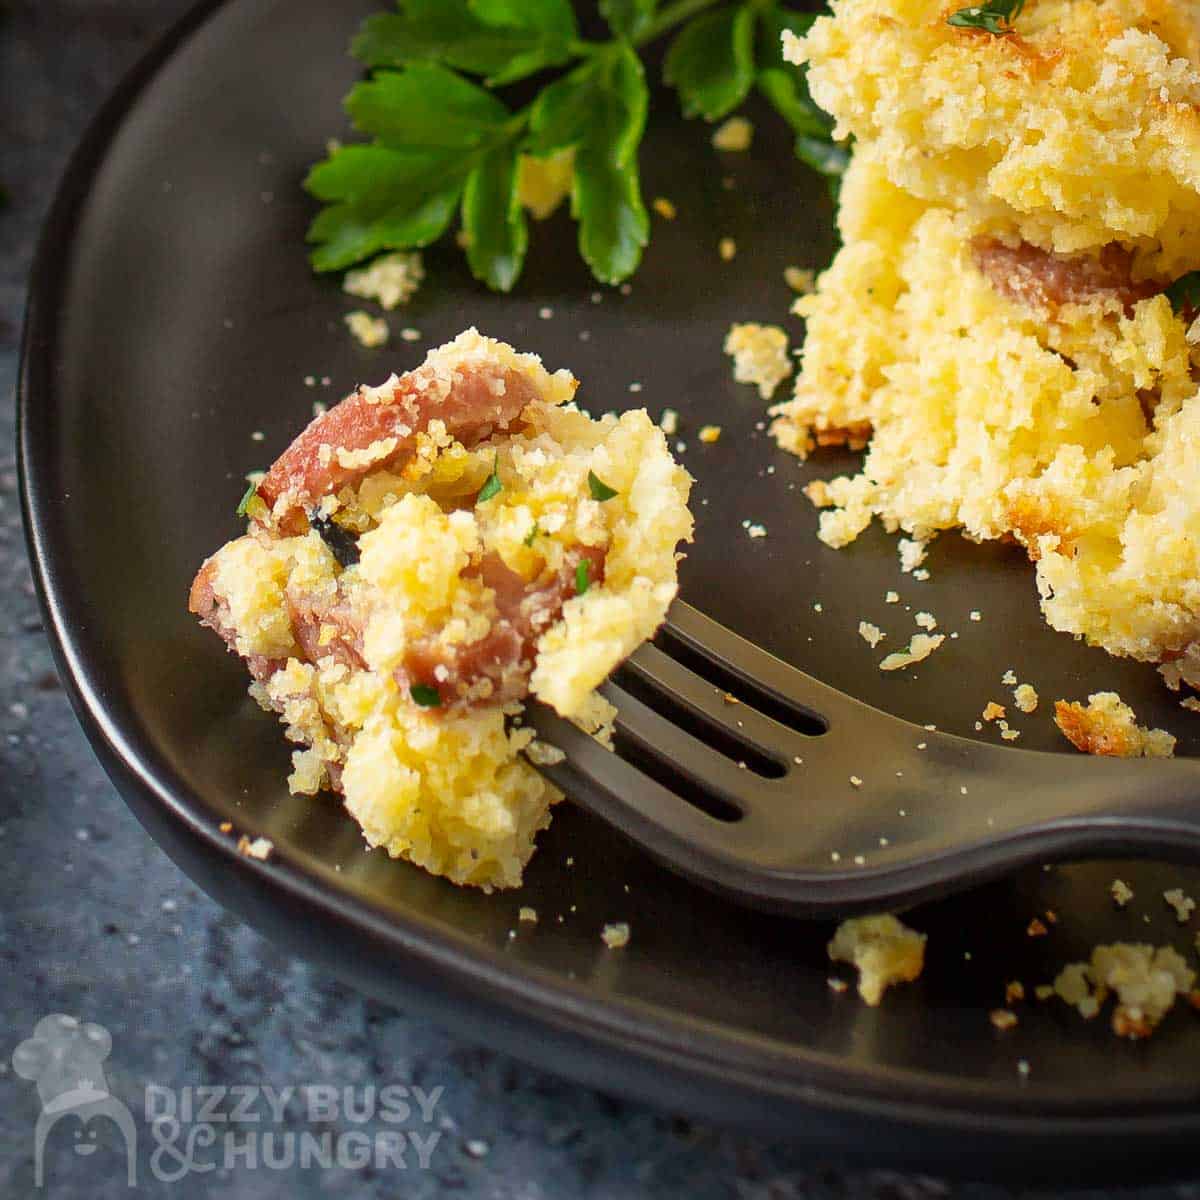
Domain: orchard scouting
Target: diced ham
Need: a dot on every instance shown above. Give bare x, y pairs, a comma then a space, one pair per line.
1045, 280
505, 654
213, 612
473, 400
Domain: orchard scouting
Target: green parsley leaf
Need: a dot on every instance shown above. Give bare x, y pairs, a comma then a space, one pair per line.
494, 220
425, 106
532, 535
251, 495
711, 63
628, 18
501, 41
599, 489
606, 198
425, 696
491, 485
1184, 293
996, 16
582, 577
380, 199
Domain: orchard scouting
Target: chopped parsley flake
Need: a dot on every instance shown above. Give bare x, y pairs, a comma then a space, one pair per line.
492, 485
996, 16
1184, 293
599, 489
251, 504
529, 537
582, 577
425, 696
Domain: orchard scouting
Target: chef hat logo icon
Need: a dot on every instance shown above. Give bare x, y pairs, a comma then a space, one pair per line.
65, 1057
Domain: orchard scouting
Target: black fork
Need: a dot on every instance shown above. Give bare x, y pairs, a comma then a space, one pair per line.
763, 783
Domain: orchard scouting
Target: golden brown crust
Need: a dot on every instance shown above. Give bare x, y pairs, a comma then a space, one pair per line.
1094, 732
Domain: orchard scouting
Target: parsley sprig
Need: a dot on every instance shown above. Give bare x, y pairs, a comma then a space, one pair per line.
996, 16
440, 140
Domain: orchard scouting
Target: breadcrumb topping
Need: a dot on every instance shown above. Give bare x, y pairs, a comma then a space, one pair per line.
883, 950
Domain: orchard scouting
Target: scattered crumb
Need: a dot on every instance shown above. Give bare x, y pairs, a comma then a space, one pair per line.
882, 949
760, 356
709, 433
367, 330
259, 848
891, 598
871, 634
800, 279
727, 249
391, 279
1003, 1019
1044, 991
1146, 980
759, 531
525, 913
409, 334
1036, 928
920, 648
837, 985
226, 827
545, 312
1121, 892
615, 935
1183, 904
920, 574
993, 711
1106, 725
733, 135
1025, 697
542, 754
912, 554
1009, 677
669, 422
1014, 991
855, 781
1191, 703
974, 615
1009, 735
664, 208
926, 620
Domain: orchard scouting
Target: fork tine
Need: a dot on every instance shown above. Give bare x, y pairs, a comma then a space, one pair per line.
711, 705
616, 790
757, 670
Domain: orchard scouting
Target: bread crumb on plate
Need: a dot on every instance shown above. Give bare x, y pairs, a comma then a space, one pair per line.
882, 949
1107, 726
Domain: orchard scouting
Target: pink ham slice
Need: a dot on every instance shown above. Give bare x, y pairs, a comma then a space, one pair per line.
505, 654
214, 614
1045, 280
477, 400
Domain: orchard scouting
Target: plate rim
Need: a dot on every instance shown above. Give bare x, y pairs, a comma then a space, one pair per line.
688, 1050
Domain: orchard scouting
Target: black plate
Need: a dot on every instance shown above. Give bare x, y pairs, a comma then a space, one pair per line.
173, 316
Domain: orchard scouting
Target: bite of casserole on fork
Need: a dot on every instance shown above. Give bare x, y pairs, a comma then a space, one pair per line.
425, 555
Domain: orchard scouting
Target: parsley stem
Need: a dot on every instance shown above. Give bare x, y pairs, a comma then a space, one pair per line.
669, 16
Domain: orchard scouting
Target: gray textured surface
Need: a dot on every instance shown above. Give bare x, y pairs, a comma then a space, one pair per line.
95, 921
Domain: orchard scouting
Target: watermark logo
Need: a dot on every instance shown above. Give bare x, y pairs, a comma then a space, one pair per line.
196, 1129
66, 1059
